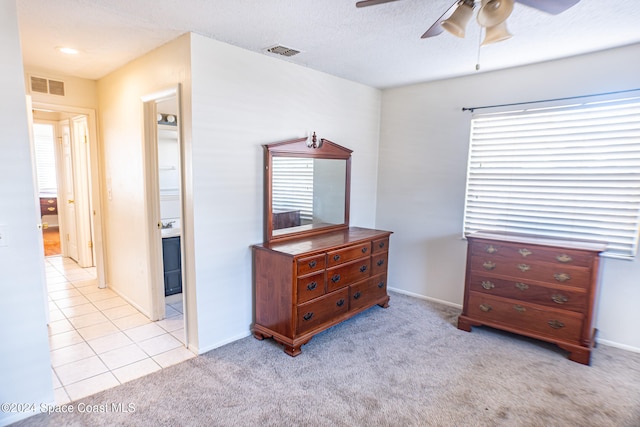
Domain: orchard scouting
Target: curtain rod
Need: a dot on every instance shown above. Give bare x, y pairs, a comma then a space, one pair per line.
547, 100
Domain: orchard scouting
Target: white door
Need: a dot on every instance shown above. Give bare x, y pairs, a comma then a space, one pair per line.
80, 144
68, 203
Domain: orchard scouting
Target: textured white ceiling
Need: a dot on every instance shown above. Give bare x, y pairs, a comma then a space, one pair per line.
379, 46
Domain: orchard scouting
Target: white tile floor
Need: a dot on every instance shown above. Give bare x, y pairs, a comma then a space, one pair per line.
98, 340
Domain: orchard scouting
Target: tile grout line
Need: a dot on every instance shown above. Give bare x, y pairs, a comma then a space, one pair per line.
67, 282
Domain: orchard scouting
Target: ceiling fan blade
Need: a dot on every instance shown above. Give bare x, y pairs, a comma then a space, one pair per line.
372, 2
553, 7
436, 28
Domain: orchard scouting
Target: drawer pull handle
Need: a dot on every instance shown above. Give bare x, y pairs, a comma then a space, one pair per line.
559, 299
381, 285
562, 277
381, 245
363, 268
364, 250
335, 278
50, 201
313, 264
340, 302
380, 263
336, 257
488, 285
490, 249
488, 265
485, 307
311, 286
525, 252
357, 295
519, 308
522, 286
51, 209
524, 267
555, 324
564, 258
308, 316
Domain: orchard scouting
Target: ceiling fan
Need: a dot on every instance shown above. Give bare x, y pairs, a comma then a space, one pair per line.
492, 15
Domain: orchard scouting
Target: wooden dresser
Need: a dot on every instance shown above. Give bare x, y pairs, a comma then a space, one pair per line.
48, 206
306, 285
538, 287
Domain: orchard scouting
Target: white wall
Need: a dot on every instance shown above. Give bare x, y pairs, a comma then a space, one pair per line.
25, 367
423, 160
242, 100
121, 123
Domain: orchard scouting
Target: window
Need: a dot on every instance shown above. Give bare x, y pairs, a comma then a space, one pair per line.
293, 194
43, 140
569, 172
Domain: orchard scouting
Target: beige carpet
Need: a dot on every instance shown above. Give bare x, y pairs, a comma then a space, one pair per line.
407, 365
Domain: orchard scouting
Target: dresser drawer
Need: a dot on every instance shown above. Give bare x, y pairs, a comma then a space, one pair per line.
48, 206
363, 294
380, 245
347, 274
310, 287
310, 264
323, 309
350, 253
532, 253
563, 325
525, 270
379, 263
561, 297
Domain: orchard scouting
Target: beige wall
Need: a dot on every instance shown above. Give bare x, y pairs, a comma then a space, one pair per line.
120, 112
80, 93
423, 161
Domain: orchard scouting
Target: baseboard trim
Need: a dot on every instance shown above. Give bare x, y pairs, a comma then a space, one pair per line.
221, 343
618, 345
414, 295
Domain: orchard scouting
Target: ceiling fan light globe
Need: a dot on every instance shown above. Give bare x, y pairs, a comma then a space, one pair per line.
493, 12
458, 21
496, 34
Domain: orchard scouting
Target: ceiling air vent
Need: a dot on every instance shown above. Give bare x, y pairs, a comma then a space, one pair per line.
39, 84
56, 87
282, 50
42, 85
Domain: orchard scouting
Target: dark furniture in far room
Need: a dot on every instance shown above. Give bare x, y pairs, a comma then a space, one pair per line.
48, 205
172, 266
286, 219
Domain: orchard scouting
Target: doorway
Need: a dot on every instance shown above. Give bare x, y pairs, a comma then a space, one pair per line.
63, 181
164, 191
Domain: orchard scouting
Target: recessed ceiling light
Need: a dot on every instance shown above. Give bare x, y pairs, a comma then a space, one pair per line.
67, 50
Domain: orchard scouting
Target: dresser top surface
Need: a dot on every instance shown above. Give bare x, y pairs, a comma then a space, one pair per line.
538, 240
325, 241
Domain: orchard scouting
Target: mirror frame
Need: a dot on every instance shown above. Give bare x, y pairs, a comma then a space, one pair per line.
302, 147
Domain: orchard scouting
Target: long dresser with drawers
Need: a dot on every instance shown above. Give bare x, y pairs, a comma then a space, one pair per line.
306, 285
539, 287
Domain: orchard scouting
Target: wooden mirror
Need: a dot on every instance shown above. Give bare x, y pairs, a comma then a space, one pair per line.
307, 182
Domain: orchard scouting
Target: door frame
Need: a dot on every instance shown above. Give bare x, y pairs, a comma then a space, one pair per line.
152, 203
95, 187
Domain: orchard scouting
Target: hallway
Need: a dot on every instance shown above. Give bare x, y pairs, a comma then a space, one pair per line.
98, 340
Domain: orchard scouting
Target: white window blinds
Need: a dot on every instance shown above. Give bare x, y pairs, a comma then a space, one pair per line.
569, 172
292, 181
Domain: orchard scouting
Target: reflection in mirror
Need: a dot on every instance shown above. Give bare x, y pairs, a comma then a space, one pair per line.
307, 192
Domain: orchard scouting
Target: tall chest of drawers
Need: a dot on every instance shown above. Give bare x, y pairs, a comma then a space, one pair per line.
539, 287
304, 286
